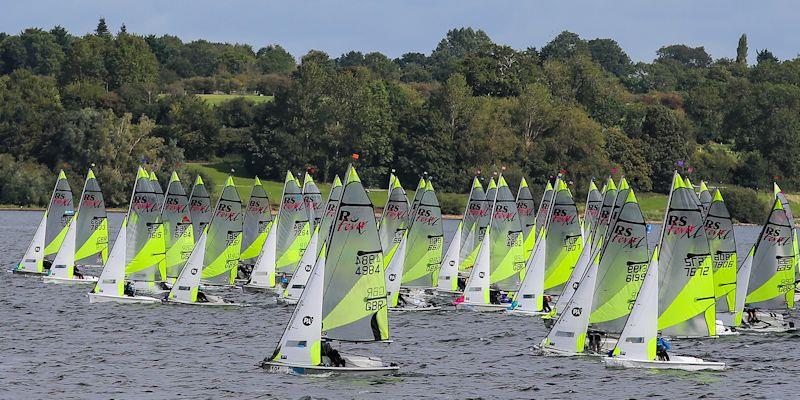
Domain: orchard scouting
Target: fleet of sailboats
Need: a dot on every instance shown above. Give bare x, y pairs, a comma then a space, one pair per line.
592, 278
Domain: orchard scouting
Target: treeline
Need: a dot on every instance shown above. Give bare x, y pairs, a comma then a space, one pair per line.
577, 107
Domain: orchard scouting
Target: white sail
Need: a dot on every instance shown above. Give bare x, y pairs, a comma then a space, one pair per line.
263, 274
394, 270
477, 288
188, 282
568, 334
33, 260
584, 260
302, 339
531, 290
448, 273
743, 280
638, 337
303, 271
64, 263
112, 279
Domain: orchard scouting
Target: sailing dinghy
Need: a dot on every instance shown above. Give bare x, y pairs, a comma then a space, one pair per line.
111, 286
463, 242
50, 232
86, 240
178, 231
636, 347
199, 207
500, 257
285, 243
257, 224
421, 256
765, 281
718, 225
224, 241
321, 232
344, 300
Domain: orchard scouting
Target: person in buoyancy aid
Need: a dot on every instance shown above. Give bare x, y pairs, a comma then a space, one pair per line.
751, 314
336, 360
662, 346
546, 299
201, 297
128, 290
494, 296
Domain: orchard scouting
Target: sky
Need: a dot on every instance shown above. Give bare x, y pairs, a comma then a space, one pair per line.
400, 26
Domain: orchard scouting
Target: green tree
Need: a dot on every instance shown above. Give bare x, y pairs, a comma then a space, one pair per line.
610, 56
29, 110
102, 29
273, 59
741, 50
456, 44
130, 60
565, 46
687, 57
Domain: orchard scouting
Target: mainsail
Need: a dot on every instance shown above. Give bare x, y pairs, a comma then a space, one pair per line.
177, 227
157, 188
313, 199
257, 223
91, 235
705, 198
788, 210
591, 216
51, 230
415, 201
221, 258
527, 216
145, 236
507, 257
425, 241
480, 227
354, 290
564, 239
294, 226
59, 213
543, 212
685, 274
476, 216
722, 245
395, 215
321, 232
771, 283
621, 268
199, 207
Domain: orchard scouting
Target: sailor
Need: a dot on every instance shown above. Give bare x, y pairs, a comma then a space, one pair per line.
662, 346
401, 300
333, 355
494, 296
128, 289
201, 297
77, 274
751, 314
546, 299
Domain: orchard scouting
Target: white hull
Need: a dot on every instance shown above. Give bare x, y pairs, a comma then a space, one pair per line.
481, 307
108, 298
286, 301
70, 281
213, 301
676, 362
768, 322
405, 309
27, 273
253, 288
526, 313
354, 365
723, 330
448, 293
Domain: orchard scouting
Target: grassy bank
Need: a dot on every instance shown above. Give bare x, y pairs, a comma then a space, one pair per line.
215, 99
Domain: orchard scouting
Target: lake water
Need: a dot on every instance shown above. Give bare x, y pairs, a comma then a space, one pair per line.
56, 345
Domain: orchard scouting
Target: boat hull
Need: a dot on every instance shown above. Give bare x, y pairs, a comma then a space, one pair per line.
526, 313
684, 363
414, 309
27, 273
481, 307
357, 365
70, 281
108, 298
286, 301
275, 291
213, 301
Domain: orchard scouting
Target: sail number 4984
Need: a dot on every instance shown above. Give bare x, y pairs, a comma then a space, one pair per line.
367, 264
